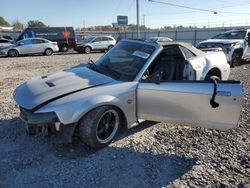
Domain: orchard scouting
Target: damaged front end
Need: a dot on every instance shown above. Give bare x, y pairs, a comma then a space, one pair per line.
46, 123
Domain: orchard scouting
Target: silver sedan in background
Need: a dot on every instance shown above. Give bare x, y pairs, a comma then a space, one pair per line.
30, 46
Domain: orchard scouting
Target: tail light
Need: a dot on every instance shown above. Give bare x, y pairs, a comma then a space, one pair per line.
54, 43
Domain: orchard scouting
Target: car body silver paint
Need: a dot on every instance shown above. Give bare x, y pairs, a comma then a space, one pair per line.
135, 102
78, 104
189, 103
37, 91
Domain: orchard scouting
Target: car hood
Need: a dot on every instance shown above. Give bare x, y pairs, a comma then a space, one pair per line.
222, 41
42, 90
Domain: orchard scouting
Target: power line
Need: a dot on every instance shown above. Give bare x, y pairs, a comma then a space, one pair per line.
194, 8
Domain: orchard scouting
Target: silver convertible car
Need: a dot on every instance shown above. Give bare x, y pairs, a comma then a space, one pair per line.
133, 82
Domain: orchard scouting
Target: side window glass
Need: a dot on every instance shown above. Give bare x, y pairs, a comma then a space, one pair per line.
98, 39
188, 54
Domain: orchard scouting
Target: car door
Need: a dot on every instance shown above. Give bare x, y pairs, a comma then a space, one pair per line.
96, 43
25, 46
38, 46
191, 103
105, 43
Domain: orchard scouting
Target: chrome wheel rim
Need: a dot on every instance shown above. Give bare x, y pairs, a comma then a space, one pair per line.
107, 126
87, 50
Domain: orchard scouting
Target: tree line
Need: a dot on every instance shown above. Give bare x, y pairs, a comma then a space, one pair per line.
19, 25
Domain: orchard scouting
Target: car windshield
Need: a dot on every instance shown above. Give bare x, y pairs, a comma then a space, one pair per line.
124, 60
88, 39
231, 35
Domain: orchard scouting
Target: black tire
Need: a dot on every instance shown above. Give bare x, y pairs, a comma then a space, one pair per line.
64, 48
212, 78
99, 127
87, 49
236, 59
48, 52
13, 53
111, 46
81, 50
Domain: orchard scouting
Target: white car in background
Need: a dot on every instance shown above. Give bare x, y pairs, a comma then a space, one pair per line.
159, 39
95, 43
30, 46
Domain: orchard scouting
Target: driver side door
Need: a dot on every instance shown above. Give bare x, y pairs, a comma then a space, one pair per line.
190, 103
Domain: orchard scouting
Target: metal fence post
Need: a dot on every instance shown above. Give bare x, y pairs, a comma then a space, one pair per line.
195, 37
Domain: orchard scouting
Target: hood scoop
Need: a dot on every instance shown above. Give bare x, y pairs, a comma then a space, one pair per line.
50, 84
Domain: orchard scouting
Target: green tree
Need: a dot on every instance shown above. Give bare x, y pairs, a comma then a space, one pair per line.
3, 22
36, 23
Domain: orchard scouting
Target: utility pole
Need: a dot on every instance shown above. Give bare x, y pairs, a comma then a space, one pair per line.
138, 24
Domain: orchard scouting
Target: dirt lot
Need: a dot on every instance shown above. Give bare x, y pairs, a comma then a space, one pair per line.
150, 155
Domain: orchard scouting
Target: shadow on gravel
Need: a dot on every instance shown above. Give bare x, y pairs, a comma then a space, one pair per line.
39, 162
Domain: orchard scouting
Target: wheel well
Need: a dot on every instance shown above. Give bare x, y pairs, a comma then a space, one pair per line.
89, 47
213, 72
124, 119
240, 51
48, 49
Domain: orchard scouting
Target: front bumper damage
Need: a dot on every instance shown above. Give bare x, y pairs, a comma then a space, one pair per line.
47, 124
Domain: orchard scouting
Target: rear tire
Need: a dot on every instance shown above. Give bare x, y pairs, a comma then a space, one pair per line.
236, 59
48, 52
64, 48
99, 127
13, 53
87, 49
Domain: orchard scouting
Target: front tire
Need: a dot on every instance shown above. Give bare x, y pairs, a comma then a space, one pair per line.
13, 53
48, 52
99, 127
87, 49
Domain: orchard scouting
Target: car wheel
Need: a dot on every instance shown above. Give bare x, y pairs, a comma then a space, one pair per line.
111, 46
48, 52
99, 126
212, 78
13, 53
236, 59
87, 49
64, 48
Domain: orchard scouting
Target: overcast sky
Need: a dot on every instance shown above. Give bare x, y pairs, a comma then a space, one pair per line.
104, 12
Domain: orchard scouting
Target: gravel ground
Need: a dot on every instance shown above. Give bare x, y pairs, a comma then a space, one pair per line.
150, 155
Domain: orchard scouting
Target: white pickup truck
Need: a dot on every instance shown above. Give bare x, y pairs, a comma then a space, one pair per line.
234, 43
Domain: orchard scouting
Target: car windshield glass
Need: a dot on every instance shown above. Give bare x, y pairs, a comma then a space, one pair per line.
124, 60
88, 39
231, 35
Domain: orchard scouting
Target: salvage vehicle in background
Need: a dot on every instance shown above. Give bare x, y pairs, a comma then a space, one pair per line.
93, 43
133, 82
159, 39
235, 44
30, 46
64, 36
5, 43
